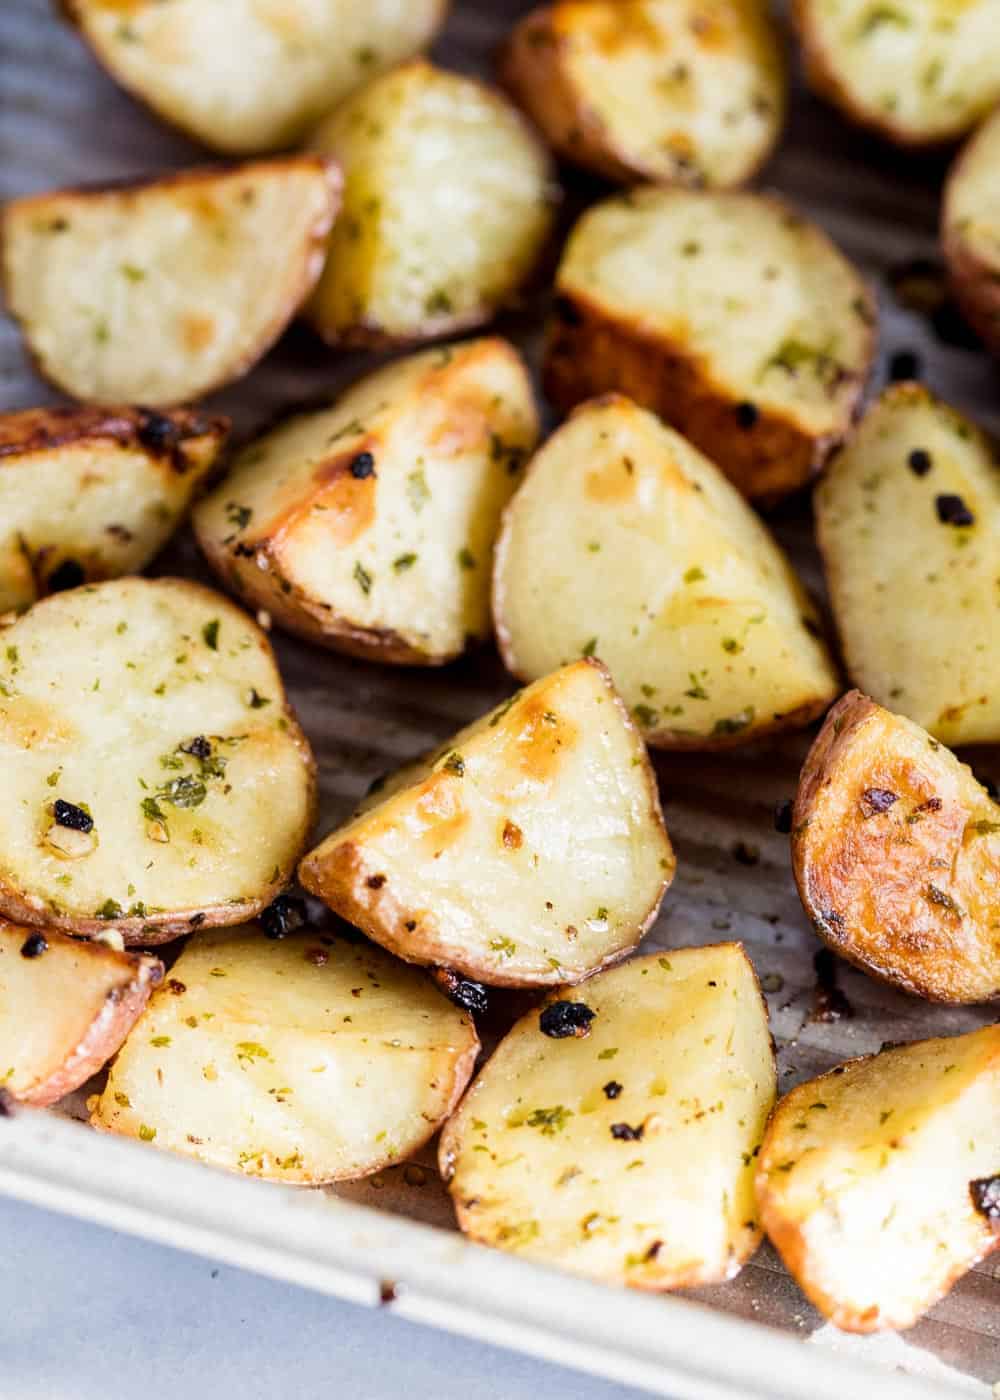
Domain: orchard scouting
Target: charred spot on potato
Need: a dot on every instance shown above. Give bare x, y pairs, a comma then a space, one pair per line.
985, 1193
875, 801
177, 988
512, 836
362, 466
952, 510
747, 415
68, 814
561, 1019
935, 895
157, 433
283, 916
625, 1132
69, 574
34, 946
375, 882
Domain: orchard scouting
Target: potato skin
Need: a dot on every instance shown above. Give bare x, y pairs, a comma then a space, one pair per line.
975, 280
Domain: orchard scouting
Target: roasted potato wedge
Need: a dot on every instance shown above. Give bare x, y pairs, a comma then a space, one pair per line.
92, 276
908, 521
447, 206
896, 853
297, 59
877, 1182
613, 1132
369, 526
529, 850
690, 93
729, 315
917, 72
154, 778
970, 231
88, 494
304, 1060
65, 1007
624, 541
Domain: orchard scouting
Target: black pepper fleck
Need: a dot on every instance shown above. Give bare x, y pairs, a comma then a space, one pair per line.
612, 1089
283, 916
952, 510
747, 414
920, 461
34, 946
199, 747
70, 815
875, 801
624, 1132
903, 365
68, 575
469, 995
565, 1018
363, 465
985, 1193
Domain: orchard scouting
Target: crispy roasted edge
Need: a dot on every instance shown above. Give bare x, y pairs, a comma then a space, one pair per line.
154, 929
974, 282
313, 258
160, 436
343, 880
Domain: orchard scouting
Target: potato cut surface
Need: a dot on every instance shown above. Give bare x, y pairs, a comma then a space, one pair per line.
447, 204
689, 93
87, 494
92, 276
626, 543
916, 71
728, 314
896, 852
155, 778
529, 850
877, 1182
369, 526
303, 1060
908, 520
970, 230
65, 1007
297, 58
624, 1151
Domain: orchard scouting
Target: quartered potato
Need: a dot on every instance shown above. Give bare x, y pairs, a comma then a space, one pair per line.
908, 521
728, 314
529, 850
613, 1133
625, 542
918, 72
65, 1007
970, 231
154, 778
304, 1060
296, 58
877, 1182
94, 276
87, 494
447, 206
369, 526
686, 93
896, 852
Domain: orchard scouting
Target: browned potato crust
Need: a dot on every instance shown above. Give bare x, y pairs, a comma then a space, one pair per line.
896, 853
970, 230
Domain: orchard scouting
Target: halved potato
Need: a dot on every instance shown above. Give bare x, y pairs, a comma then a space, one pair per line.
625, 542
690, 93
877, 1182
296, 58
614, 1132
65, 1007
162, 290
369, 526
447, 206
908, 521
733, 318
970, 231
303, 1060
529, 850
154, 778
918, 72
896, 853
87, 494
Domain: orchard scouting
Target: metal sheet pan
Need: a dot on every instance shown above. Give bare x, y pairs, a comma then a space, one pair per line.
62, 121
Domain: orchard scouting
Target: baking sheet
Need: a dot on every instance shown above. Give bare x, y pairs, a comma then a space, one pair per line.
62, 121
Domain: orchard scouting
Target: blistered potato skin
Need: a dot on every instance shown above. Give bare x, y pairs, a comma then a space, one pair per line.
98, 489
64, 1012
723, 55
369, 526
896, 854
970, 231
529, 850
865, 1178
595, 343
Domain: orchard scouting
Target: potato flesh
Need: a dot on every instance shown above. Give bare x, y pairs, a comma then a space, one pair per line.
244, 76
65, 1012
864, 1178
533, 1165
625, 540
98, 689
405, 550
529, 851
913, 597
683, 267
446, 206
921, 70
307, 1059
92, 277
